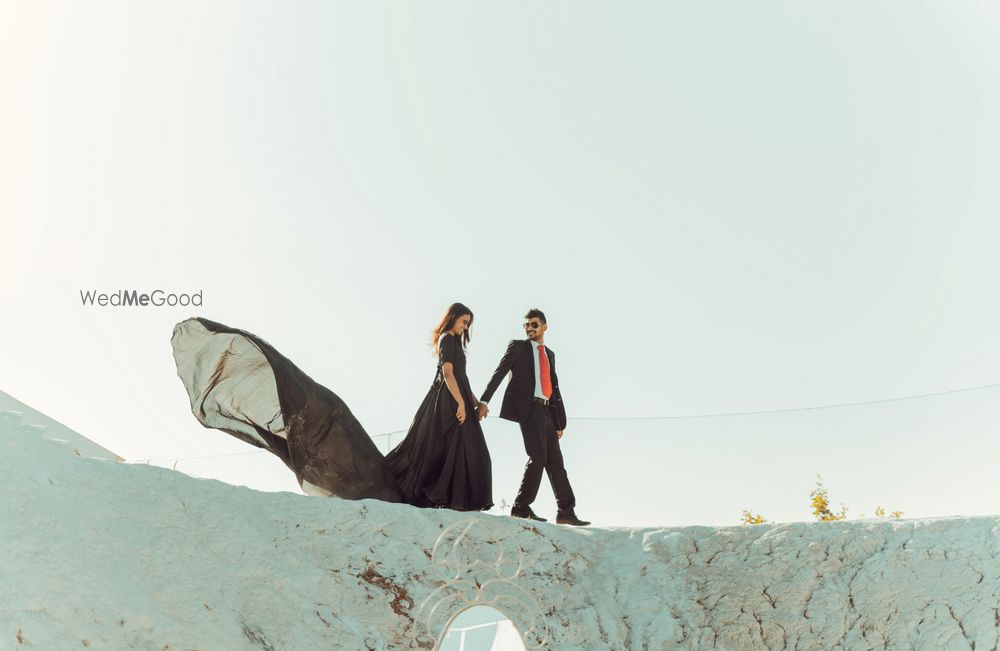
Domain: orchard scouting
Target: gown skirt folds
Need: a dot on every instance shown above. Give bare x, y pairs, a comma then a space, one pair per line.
240, 384
441, 462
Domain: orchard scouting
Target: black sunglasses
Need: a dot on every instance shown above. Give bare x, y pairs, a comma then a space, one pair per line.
532, 324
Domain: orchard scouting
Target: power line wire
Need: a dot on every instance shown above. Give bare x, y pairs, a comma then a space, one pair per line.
724, 414
206, 456
398, 431
795, 409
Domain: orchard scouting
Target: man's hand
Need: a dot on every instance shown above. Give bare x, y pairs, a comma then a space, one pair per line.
483, 410
559, 434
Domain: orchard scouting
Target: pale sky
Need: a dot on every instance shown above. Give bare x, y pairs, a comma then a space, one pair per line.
721, 207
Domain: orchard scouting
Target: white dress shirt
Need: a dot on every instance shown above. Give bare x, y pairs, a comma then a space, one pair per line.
538, 369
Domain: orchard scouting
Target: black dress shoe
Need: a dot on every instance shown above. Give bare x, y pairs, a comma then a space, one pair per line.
526, 513
569, 517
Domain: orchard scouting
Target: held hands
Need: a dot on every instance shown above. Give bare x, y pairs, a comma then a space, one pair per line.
483, 410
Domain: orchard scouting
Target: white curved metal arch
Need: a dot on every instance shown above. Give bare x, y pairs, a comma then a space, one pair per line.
471, 578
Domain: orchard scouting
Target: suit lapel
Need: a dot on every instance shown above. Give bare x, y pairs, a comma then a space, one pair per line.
531, 366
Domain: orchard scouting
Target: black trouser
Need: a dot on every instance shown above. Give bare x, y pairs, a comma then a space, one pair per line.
542, 446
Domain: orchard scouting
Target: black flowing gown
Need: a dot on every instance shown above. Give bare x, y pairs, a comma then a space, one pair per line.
240, 384
441, 462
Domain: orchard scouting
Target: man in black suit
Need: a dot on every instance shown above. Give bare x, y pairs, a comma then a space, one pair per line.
533, 400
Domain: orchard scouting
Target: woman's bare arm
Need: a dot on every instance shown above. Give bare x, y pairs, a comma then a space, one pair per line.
449, 379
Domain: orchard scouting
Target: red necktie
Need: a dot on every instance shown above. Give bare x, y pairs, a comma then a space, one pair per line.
543, 367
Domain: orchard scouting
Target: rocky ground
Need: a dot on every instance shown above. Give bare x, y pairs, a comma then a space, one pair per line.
96, 554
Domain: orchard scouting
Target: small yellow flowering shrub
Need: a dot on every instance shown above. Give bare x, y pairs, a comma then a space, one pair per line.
819, 502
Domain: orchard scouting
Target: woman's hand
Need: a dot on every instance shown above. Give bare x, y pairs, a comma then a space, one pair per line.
460, 414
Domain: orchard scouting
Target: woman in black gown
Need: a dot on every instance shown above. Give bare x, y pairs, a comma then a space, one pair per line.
444, 461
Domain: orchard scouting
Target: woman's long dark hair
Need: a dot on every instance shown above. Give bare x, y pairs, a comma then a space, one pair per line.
454, 312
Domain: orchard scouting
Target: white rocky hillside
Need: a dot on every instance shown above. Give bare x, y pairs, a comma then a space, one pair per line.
96, 554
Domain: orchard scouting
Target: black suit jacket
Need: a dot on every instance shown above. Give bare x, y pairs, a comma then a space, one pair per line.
519, 360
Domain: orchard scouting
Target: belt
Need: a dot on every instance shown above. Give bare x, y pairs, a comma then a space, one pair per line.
541, 401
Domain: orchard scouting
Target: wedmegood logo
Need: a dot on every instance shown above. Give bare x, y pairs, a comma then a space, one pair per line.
132, 298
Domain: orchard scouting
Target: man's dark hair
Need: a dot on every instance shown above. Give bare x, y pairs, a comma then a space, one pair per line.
535, 313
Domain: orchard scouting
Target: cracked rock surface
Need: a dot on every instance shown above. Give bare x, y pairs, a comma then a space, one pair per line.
101, 555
